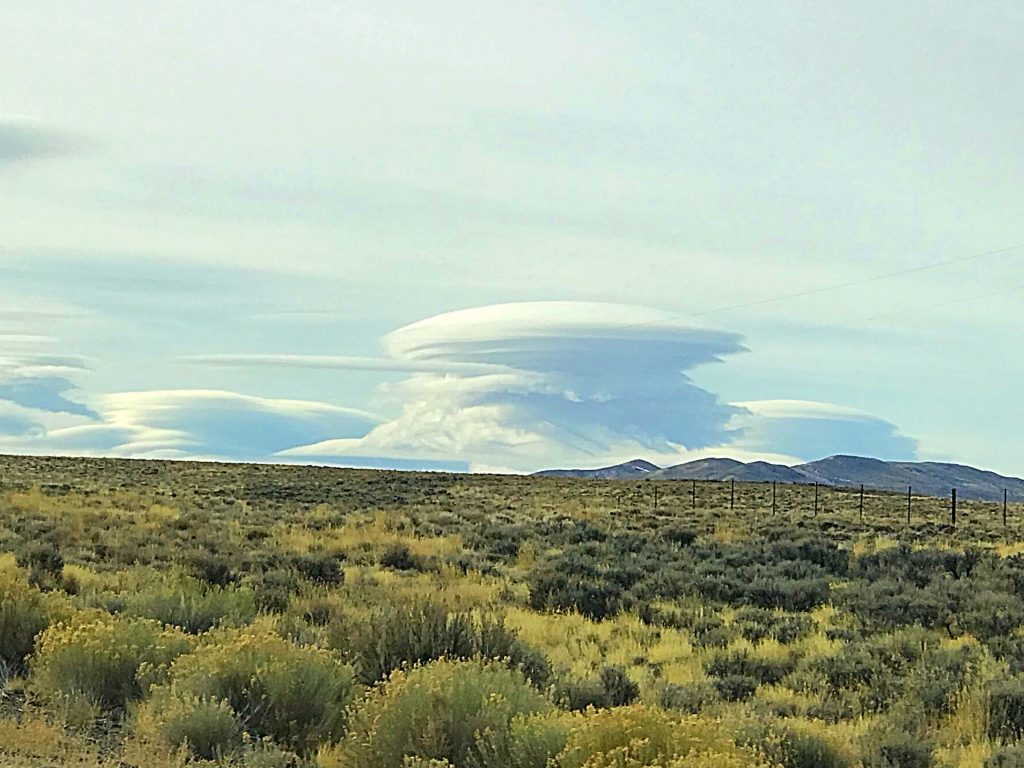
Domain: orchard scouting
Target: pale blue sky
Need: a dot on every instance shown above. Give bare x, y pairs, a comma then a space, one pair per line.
216, 217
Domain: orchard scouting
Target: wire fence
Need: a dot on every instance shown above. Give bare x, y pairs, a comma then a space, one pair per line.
854, 503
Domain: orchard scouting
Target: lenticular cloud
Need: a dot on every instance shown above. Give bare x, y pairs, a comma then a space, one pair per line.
511, 387
554, 380
810, 430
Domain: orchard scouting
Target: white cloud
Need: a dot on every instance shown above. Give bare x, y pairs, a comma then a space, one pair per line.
490, 152
586, 384
339, 362
803, 409
196, 423
514, 386
577, 382
25, 340
813, 430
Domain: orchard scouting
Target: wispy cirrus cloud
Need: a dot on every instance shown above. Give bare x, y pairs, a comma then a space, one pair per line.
31, 316
343, 362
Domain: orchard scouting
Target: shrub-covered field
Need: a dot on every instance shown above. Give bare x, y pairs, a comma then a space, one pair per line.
164, 614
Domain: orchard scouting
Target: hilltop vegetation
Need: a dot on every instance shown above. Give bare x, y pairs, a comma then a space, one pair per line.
164, 614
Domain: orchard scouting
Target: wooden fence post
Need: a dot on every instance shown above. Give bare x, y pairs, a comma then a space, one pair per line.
952, 510
910, 490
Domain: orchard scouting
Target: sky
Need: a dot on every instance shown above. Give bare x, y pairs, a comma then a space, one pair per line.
512, 236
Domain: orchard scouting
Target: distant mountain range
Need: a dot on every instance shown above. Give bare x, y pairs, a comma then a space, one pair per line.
927, 478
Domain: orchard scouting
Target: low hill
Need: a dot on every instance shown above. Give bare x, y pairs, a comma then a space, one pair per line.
926, 477
730, 469
638, 469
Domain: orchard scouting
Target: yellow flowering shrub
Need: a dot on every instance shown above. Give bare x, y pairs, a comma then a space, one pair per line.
25, 611
457, 711
208, 729
31, 738
271, 688
530, 741
106, 659
793, 743
646, 737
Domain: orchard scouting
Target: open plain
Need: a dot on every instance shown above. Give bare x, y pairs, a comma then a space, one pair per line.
164, 614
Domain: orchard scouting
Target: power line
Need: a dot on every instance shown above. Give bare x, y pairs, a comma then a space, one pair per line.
900, 313
826, 288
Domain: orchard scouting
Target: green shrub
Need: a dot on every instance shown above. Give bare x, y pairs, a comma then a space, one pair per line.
422, 631
295, 695
899, 750
611, 687
319, 569
801, 748
870, 673
108, 660
1006, 709
193, 605
574, 583
621, 690
212, 569
756, 624
400, 558
735, 687
577, 695
1011, 756
680, 534
934, 685
742, 664
44, 563
795, 745
531, 741
711, 632
498, 540
208, 729
319, 611
24, 612
459, 711
689, 699
493, 640
273, 589
834, 710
